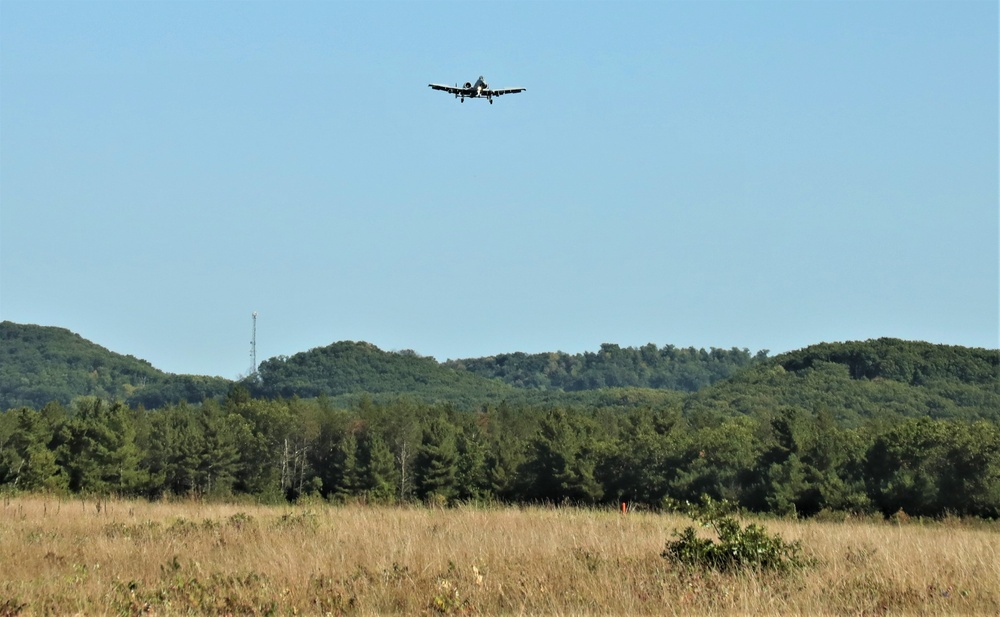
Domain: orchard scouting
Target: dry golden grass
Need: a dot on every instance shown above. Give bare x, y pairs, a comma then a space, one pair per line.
122, 557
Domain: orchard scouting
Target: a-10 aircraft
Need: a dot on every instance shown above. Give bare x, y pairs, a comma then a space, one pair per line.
478, 90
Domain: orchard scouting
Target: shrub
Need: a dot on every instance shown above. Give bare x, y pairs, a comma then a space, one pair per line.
737, 548
305, 519
240, 520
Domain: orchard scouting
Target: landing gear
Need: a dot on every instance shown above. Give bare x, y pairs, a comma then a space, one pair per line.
462, 100
491, 101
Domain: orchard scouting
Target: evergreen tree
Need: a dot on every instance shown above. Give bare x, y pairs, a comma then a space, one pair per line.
26, 460
472, 478
644, 457
218, 462
718, 459
175, 445
260, 429
834, 455
343, 473
562, 461
376, 468
99, 450
436, 465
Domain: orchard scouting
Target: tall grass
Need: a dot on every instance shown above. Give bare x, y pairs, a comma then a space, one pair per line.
124, 557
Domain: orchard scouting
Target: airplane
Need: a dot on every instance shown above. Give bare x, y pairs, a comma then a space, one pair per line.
477, 90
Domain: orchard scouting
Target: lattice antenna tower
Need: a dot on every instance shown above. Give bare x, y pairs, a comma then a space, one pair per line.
253, 347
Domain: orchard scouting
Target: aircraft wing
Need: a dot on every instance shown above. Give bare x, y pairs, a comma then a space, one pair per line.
502, 91
451, 89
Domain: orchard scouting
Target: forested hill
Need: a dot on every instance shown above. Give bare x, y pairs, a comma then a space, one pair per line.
348, 367
40, 364
865, 379
911, 362
669, 367
853, 380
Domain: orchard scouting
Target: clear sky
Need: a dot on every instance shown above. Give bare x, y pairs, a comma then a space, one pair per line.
761, 175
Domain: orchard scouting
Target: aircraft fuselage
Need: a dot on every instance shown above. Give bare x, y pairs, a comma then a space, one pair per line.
477, 90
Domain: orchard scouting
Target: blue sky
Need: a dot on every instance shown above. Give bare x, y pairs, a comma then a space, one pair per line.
761, 175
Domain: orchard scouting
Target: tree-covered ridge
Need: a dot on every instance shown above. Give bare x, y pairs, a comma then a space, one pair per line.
856, 381
40, 364
911, 362
853, 380
649, 366
348, 367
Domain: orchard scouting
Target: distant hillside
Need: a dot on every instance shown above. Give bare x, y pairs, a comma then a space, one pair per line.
911, 362
865, 379
853, 380
348, 367
40, 364
669, 367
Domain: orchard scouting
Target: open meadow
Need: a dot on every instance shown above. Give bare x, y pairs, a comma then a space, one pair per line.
64, 557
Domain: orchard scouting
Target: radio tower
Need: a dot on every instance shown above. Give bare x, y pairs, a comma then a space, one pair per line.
253, 347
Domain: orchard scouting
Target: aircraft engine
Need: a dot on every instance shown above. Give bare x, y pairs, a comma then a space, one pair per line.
468, 85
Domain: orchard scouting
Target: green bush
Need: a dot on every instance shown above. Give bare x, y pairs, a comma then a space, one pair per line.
738, 547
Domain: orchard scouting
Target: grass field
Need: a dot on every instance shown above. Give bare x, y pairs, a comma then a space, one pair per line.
65, 557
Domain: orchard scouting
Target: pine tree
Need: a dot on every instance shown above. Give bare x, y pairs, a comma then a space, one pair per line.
376, 468
436, 463
343, 472
99, 450
26, 460
473, 482
562, 461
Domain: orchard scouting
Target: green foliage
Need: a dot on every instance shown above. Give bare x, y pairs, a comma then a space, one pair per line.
737, 548
644, 456
28, 461
40, 364
173, 389
98, 449
909, 362
950, 383
241, 520
472, 473
348, 367
436, 464
855, 381
192, 453
828, 429
343, 477
928, 467
612, 367
789, 461
186, 590
377, 473
562, 465
304, 519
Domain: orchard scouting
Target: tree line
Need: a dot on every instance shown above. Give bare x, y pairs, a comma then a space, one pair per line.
785, 460
613, 366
